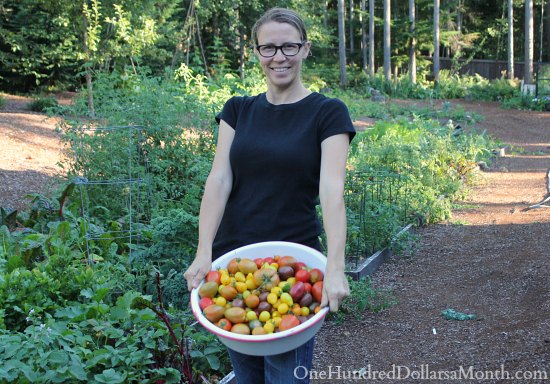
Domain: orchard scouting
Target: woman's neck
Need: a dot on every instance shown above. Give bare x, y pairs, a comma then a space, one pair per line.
287, 96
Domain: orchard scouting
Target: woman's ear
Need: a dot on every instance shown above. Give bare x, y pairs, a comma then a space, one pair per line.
307, 50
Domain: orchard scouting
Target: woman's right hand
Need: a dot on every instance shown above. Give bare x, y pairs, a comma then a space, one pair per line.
197, 271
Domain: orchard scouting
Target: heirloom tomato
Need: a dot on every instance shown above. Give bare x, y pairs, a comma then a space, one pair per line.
288, 321
247, 266
287, 260
213, 312
317, 291
266, 278
315, 275
241, 328
228, 292
213, 276
223, 323
205, 302
208, 289
302, 275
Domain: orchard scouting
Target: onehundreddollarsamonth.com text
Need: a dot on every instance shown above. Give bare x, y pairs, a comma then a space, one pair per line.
422, 372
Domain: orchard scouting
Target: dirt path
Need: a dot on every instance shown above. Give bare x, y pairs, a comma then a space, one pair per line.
30, 151
492, 260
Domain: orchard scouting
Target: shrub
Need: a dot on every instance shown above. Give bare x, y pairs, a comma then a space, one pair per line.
43, 104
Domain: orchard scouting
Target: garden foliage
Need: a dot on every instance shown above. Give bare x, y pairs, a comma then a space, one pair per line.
104, 309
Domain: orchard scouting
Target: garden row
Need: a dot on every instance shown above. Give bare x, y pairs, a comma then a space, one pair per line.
91, 283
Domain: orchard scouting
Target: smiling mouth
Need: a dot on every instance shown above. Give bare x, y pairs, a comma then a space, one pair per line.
280, 69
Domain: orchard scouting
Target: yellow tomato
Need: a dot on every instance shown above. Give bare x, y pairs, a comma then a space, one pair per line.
240, 286
225, 279
276, 290
287, 299
305, 311
246, 293
274, 265
250, 284
239, 276
291, 280
283, 308
269, 327
264, 316
272, 298
276, 320
220, 300
251, 315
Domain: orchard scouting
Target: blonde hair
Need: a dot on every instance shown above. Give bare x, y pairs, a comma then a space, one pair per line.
280, 15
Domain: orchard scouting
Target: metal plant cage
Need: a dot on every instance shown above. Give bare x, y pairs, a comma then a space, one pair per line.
112, 183
377, 208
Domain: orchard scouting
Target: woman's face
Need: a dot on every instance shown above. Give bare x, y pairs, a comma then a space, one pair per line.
281, 71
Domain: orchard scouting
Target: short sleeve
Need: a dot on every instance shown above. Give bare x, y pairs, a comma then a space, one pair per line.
334, 119
230, 112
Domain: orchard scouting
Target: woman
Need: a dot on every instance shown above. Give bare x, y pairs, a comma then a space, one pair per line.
278, 153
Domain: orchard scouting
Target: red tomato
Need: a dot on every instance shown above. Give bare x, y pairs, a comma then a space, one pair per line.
302, 275
307, 287
259, 262
315, 275
213, 276
317, 291
268, 260
223, 323
205, 302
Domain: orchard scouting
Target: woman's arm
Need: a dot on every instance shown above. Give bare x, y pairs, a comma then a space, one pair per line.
331, 194
216, 192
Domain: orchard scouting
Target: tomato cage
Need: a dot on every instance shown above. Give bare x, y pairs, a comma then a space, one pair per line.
110, 176
377, 209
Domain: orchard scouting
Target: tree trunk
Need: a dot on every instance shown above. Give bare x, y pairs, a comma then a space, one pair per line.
371, 38
547, 28
510, 39
412, 47
86, 50
387, 40
529, 42
363, 35
436, 42
351, 42
342, 43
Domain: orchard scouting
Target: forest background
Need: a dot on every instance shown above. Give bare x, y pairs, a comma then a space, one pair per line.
52, 44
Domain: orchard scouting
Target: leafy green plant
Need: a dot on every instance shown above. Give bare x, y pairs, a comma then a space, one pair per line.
363, 296
43, 103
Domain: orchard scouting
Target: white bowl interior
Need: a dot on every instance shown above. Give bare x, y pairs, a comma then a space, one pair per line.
273, 343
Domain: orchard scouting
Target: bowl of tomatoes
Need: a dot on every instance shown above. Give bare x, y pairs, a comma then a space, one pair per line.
263, 298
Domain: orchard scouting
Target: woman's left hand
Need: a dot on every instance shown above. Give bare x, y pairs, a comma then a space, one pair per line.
335, 290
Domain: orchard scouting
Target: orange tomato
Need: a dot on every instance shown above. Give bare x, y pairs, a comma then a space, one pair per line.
288, 321
228, 292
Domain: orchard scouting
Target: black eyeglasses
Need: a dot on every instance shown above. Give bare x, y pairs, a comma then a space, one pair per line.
288, 49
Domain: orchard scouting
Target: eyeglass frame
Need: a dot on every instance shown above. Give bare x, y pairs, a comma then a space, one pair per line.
280, 48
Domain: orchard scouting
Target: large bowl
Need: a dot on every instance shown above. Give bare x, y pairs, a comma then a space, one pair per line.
273, 343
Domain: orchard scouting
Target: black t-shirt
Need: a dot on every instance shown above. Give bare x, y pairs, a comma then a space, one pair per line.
276, 160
